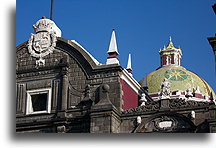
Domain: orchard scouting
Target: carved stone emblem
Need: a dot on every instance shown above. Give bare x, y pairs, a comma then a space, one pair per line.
164, 123
43, 42
40, 45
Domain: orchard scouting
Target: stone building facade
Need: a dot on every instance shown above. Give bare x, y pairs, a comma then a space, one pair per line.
212, 40
61, 88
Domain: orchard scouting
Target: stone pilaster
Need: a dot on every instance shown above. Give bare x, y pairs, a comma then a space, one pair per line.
64, 88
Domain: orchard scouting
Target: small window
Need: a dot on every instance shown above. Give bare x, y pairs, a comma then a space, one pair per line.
38, 101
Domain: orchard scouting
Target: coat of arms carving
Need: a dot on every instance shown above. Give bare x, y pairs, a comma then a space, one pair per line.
43, 42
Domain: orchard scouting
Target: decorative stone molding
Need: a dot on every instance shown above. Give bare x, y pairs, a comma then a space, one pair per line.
33, 74
149, 106
103, 75
30, 119
182, 103
172, 104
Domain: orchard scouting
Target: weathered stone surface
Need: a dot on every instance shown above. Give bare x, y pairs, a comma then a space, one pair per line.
87, 98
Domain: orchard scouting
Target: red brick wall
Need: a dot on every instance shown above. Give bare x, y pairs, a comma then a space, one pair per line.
130, 97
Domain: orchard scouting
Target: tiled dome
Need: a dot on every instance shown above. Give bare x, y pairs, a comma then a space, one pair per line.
180, 79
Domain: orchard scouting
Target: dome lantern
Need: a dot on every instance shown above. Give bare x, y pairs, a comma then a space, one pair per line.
170, 56
182, 82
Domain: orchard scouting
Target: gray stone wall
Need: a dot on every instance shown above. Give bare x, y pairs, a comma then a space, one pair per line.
101, 123
78, 75
74, 80
115, 125
88, 98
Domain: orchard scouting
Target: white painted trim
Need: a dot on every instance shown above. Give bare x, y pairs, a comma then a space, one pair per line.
197, 99
112, 61
38, 91
125, 75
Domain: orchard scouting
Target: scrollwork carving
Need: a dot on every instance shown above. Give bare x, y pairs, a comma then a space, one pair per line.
149, 106
174, 104
182, 103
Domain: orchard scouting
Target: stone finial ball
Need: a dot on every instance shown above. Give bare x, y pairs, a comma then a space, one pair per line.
106, 87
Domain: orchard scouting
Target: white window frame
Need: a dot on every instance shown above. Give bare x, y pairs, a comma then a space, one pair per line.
29, 109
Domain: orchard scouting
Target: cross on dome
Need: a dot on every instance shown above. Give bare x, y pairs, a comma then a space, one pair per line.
170, 44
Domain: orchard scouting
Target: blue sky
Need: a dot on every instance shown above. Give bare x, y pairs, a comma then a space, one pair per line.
142, 28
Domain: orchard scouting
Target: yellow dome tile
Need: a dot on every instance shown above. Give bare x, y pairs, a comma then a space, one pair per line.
180, 78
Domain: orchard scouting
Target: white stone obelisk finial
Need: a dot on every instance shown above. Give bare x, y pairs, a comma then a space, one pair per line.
113, 51
129, 67
113, 45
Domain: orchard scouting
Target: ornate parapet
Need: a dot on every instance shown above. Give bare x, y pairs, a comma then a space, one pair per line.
158, 105
149, 106
182, 103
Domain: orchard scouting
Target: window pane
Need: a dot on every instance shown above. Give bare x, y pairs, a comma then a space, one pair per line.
39, 102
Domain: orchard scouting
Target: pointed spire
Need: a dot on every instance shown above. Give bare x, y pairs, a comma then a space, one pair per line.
129, 68
113, 45
113, 51
129, 62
